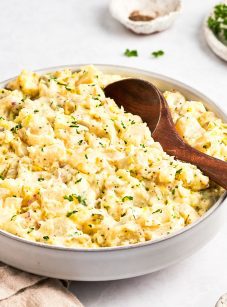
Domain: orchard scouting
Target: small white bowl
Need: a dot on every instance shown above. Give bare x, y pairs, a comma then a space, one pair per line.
145, 16
222, 302
214, 43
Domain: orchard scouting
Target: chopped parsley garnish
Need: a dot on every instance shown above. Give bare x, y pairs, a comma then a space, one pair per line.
74, 124
127, 198
123, 125
30, 230
218, 22
69, 197
71, 213
46, 238
79, 180
158, 53
17, 127
41, 179
179, 171
60, 83
157, 211
130, 53
80, 199
36, 111
2, 177
86, 156
68, 88
80, 142
13, 217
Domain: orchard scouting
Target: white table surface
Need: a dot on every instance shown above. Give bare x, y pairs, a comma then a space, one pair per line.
36, 34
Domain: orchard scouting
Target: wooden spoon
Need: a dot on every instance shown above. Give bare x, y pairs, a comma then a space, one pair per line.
144, 99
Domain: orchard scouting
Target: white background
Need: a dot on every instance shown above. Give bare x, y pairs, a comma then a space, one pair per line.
36, 34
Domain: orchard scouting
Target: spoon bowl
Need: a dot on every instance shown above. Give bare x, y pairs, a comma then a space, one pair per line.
137, 97
142, 98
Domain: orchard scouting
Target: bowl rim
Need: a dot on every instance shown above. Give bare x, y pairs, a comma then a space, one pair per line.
173, 235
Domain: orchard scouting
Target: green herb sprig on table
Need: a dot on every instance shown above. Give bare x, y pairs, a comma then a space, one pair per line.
134, 53
218, 22
131, 53
158, 53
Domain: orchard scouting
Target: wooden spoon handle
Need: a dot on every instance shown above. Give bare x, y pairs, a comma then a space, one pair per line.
166, 134
214, 168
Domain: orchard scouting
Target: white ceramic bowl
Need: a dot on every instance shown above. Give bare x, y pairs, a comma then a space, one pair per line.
117, 262
167, 11
214, 43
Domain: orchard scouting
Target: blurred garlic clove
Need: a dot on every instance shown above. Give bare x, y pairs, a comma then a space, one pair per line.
145, 16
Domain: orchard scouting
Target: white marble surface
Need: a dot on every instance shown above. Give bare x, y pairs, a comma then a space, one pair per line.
36, 34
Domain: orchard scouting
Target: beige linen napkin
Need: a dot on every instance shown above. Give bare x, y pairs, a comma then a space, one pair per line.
20, 289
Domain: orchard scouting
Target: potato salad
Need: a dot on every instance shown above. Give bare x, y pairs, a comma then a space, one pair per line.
76, 170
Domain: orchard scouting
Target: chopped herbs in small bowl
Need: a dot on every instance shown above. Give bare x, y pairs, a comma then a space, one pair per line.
216, 30
217, 22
